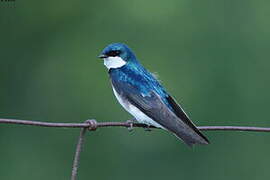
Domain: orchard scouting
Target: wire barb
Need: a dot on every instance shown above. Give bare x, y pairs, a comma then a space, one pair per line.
93, 125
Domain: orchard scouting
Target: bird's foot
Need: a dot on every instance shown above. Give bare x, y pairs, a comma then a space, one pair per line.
147, 128
130, 123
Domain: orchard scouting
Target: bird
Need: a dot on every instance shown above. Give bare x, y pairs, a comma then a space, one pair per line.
142, 95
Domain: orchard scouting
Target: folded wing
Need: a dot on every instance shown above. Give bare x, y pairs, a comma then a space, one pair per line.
175, 121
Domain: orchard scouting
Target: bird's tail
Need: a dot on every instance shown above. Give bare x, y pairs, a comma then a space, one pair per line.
183, 127
191, 137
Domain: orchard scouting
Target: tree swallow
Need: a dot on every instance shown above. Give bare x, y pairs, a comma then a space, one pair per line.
142, 95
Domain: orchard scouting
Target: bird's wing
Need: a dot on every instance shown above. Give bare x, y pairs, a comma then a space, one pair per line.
180, 113
153, 106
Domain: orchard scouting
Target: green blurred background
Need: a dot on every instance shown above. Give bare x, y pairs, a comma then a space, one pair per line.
213, 56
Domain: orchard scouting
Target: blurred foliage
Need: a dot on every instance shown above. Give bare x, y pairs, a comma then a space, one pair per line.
213, 56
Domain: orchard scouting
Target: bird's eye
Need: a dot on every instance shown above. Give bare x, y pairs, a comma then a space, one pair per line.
114, 53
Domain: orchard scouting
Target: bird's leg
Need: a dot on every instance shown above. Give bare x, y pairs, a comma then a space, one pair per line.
131, 122
147, 128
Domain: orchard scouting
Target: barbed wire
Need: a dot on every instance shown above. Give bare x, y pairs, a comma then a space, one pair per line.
92, 125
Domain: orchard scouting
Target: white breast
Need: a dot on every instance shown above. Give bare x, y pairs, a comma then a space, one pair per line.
134, 111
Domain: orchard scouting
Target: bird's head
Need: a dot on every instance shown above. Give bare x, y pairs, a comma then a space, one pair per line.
117, 55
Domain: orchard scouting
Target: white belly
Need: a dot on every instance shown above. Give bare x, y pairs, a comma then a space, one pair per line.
134, 111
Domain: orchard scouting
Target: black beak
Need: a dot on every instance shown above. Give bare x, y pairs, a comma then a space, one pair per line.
102, 56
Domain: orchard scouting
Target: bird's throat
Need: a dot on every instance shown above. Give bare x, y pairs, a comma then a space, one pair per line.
114, 62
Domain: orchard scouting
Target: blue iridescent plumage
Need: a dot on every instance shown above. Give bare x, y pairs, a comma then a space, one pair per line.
141, 94
139, 77
135, 74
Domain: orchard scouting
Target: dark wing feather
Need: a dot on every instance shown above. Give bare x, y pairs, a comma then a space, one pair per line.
154, 107
183, 116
